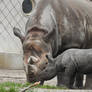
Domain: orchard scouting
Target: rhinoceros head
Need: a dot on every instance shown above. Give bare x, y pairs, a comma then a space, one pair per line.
49, 72
35, 50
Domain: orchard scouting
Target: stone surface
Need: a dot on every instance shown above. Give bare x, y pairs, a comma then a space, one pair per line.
18, 76
57, 90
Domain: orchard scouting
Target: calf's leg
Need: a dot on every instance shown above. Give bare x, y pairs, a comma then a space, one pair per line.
79, 81
68, 77
59, 78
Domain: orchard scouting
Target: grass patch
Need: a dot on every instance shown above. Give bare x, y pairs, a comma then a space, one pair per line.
9, 84
12, 87
15, 87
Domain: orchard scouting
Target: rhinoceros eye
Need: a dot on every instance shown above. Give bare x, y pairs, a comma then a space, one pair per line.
36, 52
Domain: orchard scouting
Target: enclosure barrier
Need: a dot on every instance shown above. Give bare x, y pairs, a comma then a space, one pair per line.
10, 16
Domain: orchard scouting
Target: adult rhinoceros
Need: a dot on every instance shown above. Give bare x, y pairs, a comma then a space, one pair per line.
55, 26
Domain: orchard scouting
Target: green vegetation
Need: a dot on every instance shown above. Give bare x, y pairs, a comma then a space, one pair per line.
9, 84
15, 87
12, 87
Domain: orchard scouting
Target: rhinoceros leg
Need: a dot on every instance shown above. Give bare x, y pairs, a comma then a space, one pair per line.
88, 84
66, 78
79, 81
59, 78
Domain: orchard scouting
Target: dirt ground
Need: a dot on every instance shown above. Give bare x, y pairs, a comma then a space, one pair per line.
18, 76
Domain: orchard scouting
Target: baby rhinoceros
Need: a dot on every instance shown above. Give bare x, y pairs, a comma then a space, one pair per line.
70, 63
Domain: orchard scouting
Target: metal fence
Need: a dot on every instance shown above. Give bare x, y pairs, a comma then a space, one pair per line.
10, 15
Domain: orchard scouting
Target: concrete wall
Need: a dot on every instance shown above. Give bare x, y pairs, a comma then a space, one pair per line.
10, 46
11, 61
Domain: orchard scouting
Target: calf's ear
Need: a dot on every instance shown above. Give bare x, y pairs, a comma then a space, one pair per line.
17, 33
50, 59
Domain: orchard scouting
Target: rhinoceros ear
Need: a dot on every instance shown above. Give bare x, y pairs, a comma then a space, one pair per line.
50, 59
17, 33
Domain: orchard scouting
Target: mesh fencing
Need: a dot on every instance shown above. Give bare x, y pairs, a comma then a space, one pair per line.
11, 16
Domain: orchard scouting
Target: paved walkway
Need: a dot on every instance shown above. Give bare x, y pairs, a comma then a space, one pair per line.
18, 76
57, 90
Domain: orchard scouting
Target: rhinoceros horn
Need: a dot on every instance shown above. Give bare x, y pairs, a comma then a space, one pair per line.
32, 60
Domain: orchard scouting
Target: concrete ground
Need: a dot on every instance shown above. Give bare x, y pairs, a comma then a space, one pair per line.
18, 76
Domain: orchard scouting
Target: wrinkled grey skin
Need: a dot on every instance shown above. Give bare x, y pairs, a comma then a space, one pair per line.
70, 63
55, 26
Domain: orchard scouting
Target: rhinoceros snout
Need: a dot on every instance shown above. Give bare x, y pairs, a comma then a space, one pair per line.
32, 73
32, 68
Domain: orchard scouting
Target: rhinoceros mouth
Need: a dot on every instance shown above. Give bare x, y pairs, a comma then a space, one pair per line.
32, 73
31, 78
